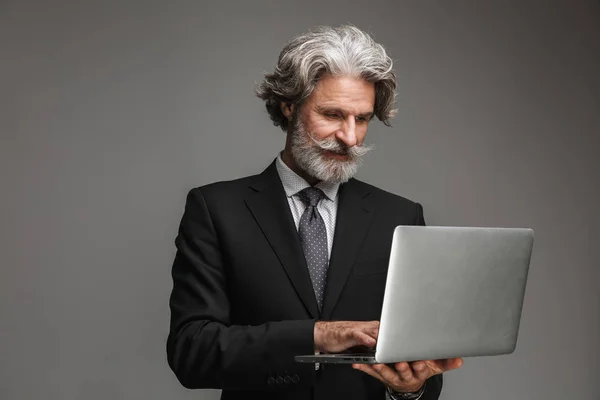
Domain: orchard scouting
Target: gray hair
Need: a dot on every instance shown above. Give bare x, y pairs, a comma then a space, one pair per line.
341, 51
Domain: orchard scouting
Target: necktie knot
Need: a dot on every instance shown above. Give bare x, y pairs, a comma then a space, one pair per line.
311, 196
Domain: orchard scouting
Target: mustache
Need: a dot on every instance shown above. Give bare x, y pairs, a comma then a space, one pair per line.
338, 147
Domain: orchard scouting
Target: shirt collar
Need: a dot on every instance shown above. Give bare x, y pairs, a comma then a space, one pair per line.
293, 183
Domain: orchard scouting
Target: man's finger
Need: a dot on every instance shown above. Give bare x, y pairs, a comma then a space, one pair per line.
374, 324
404, 372
453, 363
440, 366
374, 333
371, 328
421, 370
361, 338
389, 375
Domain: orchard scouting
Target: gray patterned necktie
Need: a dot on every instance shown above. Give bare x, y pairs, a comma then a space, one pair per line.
313, 237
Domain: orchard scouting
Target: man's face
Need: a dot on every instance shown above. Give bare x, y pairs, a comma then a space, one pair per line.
328, 131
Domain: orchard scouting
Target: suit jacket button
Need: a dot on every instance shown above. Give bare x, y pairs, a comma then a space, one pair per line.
271, 381
287, 380
279, 380
295, 379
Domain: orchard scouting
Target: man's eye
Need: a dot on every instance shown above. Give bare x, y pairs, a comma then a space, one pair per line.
331, 115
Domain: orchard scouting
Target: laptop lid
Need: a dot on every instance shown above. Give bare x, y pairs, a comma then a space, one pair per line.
453, 292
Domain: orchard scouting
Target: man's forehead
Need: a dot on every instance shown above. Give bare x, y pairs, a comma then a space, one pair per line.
354, 104
345, 93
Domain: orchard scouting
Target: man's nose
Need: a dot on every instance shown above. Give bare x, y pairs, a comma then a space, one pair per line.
348, 132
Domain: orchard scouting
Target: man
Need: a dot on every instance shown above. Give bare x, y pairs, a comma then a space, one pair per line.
293, 260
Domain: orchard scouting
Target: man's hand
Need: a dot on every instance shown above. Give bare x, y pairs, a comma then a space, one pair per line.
337, 336
408, 377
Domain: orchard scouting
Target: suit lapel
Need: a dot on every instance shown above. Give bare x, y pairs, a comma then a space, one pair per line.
268, 204
353, 219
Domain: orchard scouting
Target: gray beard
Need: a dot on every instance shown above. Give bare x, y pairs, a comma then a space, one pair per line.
308, 155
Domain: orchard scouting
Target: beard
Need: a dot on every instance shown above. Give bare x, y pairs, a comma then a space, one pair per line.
311, 155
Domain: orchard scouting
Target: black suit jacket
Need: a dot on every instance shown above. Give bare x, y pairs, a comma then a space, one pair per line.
242, 303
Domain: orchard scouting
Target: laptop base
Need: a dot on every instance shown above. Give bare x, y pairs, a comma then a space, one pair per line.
345, 358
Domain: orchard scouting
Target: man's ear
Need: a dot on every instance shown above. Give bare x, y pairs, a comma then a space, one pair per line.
288, 109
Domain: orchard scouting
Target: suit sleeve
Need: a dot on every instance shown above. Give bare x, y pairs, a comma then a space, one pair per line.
434, 384
204, 349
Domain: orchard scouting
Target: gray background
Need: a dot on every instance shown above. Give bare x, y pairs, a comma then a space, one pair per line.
111, 111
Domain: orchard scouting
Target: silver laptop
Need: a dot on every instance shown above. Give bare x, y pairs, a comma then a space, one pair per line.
450, 292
